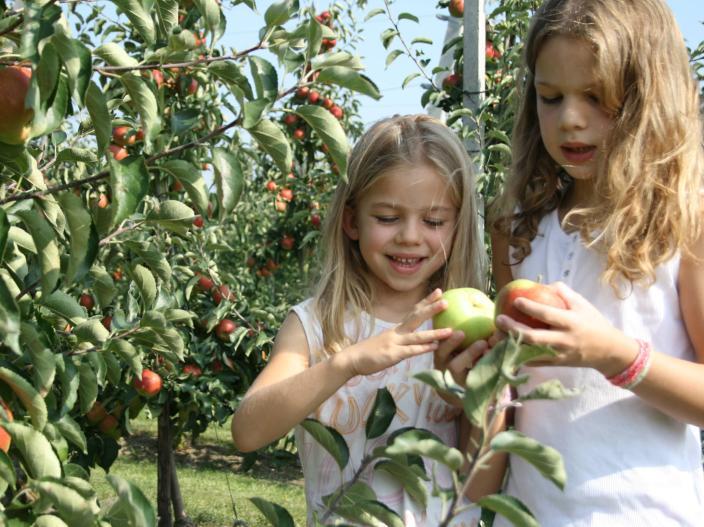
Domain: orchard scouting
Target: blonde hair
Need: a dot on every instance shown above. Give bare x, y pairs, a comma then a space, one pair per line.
648, 182
345, 287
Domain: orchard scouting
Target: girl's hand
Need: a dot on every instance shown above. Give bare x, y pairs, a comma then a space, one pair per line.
580, 334
392, 346
458, 361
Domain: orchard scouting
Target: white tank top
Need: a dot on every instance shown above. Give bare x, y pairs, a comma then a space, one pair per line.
417, 405
628, 465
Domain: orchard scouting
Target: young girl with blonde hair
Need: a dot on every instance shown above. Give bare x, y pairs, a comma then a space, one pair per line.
605, 203
401, 227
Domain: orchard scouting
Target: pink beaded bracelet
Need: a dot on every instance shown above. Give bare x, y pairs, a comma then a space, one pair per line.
638, 369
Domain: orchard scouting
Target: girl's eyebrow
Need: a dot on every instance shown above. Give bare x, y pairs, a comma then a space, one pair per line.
389, 205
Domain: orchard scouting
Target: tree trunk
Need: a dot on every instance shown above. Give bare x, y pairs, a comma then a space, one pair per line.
164, 467
180, 516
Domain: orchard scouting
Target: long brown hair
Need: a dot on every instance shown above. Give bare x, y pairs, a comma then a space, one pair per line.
649, 181
345, 287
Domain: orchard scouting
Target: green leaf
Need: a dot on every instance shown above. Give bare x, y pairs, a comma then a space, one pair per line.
274, 513
145, 100
28, 396
145, 283
47, 247
48, 520
409, 78
75, 154
409, 16
265, 78
129, 182
140, 18
68, 377
374, 12
39, 21
88, 387
43, 363
103, 286
315, 39
338, 58
84, 237
115, 55
100, 116
7, 470
230, 73
9, 319
39, 458
47, 73
128, 353
330, 132
173, 216
183, 121
210, 9
330, 439
77, 61
351, 79
278, 13
510, 508
229, 179
393, 55
191, 179
92, 331
166, 15
424, 443
72, 431
132, 508
546, 459
65, 306
422, 40
552, 389
4, 232
254, 111
275, 143
483, 384
410, 479
382, 414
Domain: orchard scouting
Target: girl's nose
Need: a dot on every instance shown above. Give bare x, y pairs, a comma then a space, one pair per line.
572, 115
409, 232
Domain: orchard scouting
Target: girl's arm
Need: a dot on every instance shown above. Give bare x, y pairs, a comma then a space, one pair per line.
288, 390
583, 337
500, 260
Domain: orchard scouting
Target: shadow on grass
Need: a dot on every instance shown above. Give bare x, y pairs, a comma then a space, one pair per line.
279, 466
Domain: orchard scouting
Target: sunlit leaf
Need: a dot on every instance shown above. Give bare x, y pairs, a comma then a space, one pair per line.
330, 439
546, 459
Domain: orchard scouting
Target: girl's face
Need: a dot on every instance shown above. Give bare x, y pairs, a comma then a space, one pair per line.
404, 225
573, 123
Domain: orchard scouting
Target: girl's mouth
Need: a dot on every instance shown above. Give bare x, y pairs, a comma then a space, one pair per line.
405, 264
578, 153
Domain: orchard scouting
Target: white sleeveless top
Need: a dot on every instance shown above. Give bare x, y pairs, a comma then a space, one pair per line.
417, 405
628, 465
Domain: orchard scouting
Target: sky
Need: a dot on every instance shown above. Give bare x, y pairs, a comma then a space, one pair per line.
243, 27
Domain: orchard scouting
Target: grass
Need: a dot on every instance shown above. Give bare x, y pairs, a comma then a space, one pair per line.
210, 476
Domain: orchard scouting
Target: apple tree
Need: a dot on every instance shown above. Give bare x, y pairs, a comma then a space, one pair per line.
115, 256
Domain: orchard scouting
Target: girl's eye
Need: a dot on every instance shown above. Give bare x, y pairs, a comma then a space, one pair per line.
435, 223
549, 100
386, 219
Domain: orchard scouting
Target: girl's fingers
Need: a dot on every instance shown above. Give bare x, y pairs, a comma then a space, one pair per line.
446, 348
423, 310
552, 316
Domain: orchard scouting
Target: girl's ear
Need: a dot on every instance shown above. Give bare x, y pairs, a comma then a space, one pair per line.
349, 223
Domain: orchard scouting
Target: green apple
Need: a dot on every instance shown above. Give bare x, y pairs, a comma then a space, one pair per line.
468, 310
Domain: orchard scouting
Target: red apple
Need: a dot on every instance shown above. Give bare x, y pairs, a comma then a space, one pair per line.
121, 135
221, 292
107, 322
86, 301
205, 283
224, 328
192, 369
103, 201
456, 8
540, 293
96, 414
149, 385
109, 426
118, 152
198, 221
15, 119
299, 134
337, 112
271, 186
290, 119
5, 439
302, 92
287, 242
468, 310
451, 81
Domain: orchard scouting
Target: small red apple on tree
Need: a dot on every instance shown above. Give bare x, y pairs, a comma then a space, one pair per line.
15, 119
456, 8
287, 242
286, 194
192, 369
453, 80
122, 135
86, 301
149, 385
96, 413
302, 92
224, 328
221, 292
290, 119
198, 221
522, 288
337, 112
5, 439
299, 134
107, 322
118, 152
271, 186
204, 283
109, 426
